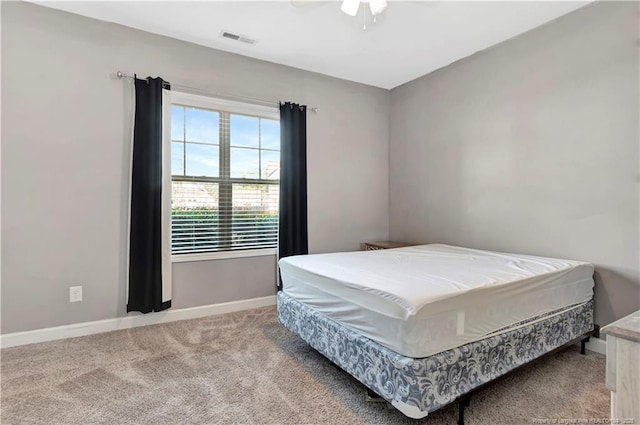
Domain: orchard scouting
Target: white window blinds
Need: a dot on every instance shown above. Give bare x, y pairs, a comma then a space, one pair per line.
225, 179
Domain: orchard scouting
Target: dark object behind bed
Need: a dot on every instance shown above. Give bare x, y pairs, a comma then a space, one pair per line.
292, 233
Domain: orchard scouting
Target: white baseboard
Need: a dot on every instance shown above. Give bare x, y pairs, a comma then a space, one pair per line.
130, 321
596, 345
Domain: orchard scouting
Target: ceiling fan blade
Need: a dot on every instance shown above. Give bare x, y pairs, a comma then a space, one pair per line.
350, 7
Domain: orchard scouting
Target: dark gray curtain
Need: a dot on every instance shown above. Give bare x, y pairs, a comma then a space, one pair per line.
292, 236
145, 241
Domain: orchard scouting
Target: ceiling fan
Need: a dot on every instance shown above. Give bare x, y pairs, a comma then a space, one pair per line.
350, 7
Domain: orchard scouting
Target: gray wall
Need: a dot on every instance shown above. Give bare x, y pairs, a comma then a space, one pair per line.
66, 125
532, 147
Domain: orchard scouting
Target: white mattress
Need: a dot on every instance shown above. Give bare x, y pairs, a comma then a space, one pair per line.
422, 300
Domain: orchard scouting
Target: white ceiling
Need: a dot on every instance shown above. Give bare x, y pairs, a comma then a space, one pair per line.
410, 39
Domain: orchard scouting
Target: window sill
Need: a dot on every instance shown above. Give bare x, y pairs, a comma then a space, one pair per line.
222, 255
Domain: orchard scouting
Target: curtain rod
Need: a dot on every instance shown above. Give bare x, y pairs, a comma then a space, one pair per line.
121, 74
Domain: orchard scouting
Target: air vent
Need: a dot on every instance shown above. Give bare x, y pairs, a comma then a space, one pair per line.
237, 37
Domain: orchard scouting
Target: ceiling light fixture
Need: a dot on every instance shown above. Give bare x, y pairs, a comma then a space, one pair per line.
351, 7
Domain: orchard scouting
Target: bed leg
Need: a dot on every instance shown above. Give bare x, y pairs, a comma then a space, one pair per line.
461, 405
583, 342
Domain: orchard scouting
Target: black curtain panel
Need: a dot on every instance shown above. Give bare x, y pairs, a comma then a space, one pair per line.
145, 239
292, 235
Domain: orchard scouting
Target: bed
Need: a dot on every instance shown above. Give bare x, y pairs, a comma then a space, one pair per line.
427, 325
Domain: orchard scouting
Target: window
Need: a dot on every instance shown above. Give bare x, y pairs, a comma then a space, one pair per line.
225, 171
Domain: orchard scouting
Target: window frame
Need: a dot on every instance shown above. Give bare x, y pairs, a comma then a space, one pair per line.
216, 104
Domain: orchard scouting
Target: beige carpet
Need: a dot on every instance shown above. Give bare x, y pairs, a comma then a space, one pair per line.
244, 368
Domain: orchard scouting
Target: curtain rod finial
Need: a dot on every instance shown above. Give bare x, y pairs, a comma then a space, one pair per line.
121, 75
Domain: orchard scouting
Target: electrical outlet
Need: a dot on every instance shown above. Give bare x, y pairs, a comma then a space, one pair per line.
75, 294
